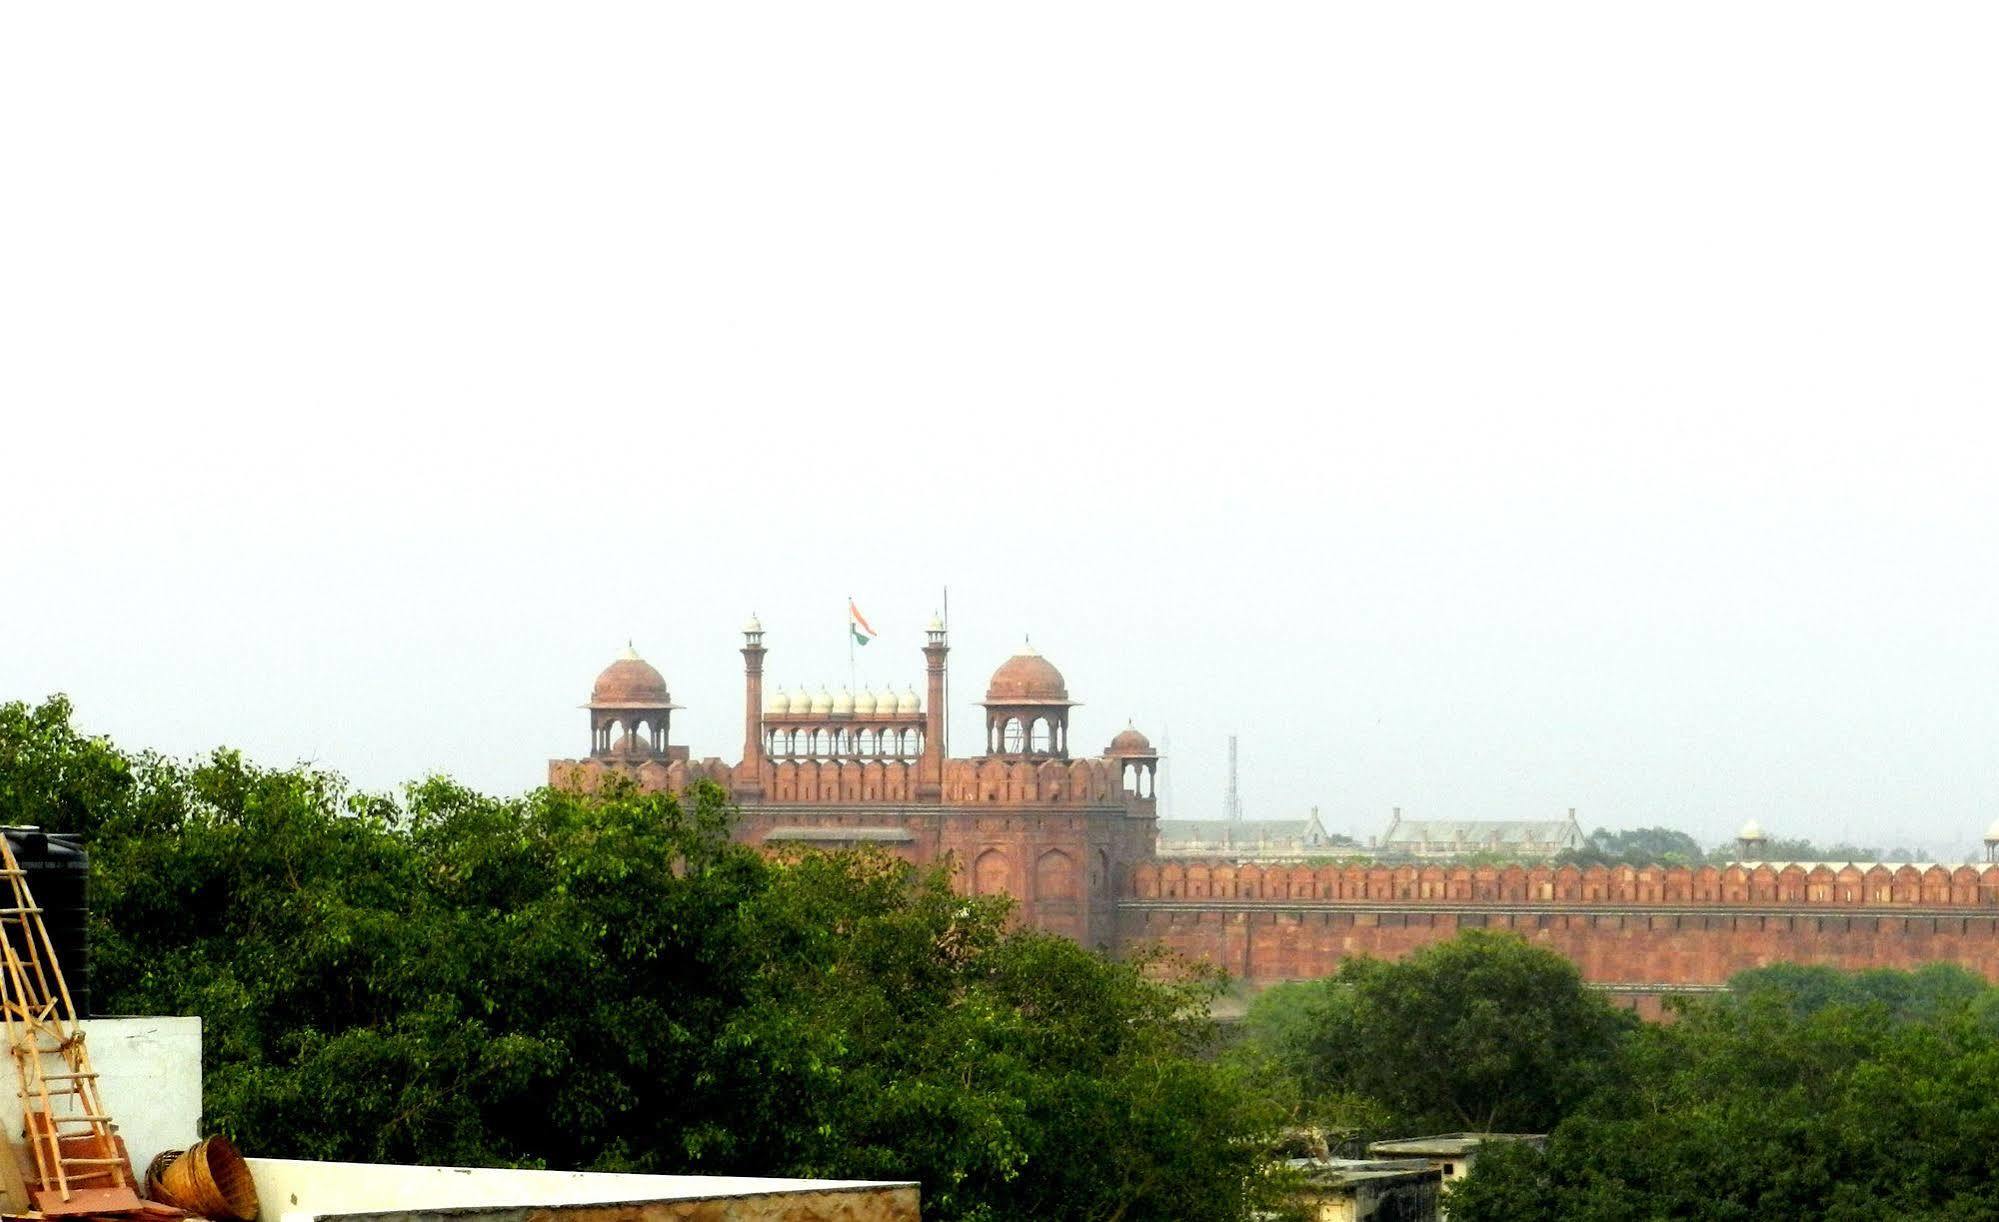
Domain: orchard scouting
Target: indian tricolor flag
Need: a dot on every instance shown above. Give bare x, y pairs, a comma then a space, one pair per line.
858, 625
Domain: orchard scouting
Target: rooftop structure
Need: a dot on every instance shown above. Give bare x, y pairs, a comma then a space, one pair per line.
1370, 1189
1451, 1153
1526, 839
1248, 839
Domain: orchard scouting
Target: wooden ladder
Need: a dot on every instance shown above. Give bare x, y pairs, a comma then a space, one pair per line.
79, 1164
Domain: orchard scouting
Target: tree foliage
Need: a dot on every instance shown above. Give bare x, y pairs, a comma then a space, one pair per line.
1778, 849
1636, 846
1802, 1093
1481, 1032
609, 982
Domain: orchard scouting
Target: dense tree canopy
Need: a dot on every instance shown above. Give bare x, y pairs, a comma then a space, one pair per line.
608, 982
1779, 849
1804, 1093
1481, 1032
1637, 846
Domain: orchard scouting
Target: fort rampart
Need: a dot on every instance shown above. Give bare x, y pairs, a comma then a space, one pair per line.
1639, 931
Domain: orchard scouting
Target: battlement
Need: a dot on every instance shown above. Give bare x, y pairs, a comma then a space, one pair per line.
1786, 884
967, 782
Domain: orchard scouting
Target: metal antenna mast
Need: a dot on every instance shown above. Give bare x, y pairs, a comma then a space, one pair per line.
1232, 805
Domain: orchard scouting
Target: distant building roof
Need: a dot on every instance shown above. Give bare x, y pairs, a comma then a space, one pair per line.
1475, 835
1264, 837
1241, 831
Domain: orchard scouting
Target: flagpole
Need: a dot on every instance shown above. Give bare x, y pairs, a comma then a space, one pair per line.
850, 642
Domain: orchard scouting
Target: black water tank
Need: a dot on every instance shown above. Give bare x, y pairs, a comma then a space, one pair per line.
58, 873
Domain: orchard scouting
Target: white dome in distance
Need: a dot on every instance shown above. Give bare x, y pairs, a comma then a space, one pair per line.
777, 704
822, 703
801, 702
1992, 833
1751, 830
908, 703
843, 704
864, 703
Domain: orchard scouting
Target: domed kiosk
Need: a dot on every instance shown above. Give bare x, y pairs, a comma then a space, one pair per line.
630, 709
1027, 709
1138, 763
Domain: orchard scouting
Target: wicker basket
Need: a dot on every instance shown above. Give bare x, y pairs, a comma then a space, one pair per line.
211, 1180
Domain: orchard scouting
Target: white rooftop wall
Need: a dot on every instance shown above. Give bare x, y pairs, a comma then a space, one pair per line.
290, 1190
149, 1076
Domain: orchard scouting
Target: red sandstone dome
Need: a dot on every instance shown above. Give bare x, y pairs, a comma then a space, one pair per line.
630, 683
1130, 742
1027, 678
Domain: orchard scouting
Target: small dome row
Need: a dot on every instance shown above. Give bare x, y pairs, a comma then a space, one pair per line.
864, 703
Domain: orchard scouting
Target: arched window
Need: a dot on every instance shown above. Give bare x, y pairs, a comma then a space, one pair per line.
1042, 741
1015, 737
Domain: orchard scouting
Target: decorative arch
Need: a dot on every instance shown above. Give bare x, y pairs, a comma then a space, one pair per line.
1055, 876
989, 873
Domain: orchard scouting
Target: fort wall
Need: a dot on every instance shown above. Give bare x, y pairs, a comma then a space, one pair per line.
1638, 930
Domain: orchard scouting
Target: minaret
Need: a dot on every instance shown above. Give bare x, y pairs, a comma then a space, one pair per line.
750, 776
930, 774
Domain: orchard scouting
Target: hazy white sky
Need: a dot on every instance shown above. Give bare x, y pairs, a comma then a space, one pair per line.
1482, 409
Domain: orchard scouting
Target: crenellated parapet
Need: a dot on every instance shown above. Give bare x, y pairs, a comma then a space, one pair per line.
967, 782
1786, 884
994, 781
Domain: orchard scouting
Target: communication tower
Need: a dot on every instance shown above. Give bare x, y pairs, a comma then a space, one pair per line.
1232, 805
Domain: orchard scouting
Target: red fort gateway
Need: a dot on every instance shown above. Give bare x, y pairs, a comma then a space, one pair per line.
1073, 839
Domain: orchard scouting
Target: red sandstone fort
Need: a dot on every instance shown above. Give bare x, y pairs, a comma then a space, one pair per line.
1074, 841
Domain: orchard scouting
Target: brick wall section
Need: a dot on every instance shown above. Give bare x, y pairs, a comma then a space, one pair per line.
1626, 926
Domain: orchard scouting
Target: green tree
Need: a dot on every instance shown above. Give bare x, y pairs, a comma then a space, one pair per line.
1482, 1032
1805, 850
1636, 846
1927, 993
1757, 1106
